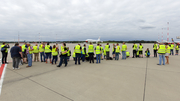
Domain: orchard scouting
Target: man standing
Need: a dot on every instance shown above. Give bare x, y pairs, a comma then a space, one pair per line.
177, 48
48, 50
78, 53
134, 50
107, 47
29, 52
24, 48
155, 49
83, 52
114, 51
172, 48
4, 51
91, 53
161, 51
63, 56
36, 53
124, 48
16, 55
117, 52
41, 50
98, 51
140, 50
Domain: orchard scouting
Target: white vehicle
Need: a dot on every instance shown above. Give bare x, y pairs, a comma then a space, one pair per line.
93, 41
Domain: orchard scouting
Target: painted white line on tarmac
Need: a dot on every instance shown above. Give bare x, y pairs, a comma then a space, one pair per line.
2, 77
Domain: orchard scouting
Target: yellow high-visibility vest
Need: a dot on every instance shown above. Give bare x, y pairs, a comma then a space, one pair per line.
47, 49
118, 49
35, 49
54, 52
98, 50
90, 49
162, 49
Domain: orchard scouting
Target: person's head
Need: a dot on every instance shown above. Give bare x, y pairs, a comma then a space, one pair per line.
166, 44
67, 48
154, 42
56, 43
36, 44
64, 44
161, 43
140, 43
90, 42
79, 44
54, 46
4, 43
16, 44
147, 48
48, 43
123, 43
98, 44
42, 43
28, 44
134, 43
107, 43
117, 44
113, 44
84, 45
24, 43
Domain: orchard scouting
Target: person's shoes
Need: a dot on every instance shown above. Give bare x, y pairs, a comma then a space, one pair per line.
58, 66
28, 66
65, 65
79, 64
6, 63
158, 64
52, 63
13, 68
18, 68
75, 64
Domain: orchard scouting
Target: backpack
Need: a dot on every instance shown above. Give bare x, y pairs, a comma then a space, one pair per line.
3, 49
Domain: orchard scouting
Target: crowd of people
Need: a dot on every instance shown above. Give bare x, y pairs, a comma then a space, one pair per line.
47, 53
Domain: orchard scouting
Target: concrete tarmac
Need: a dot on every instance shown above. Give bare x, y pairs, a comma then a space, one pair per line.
133, 79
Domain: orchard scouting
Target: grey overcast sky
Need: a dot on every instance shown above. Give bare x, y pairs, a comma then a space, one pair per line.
83, 19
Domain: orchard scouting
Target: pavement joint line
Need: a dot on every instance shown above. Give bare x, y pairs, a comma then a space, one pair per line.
144, 93
43, 85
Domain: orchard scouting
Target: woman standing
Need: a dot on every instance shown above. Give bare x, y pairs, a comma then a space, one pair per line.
167, 53
54, 54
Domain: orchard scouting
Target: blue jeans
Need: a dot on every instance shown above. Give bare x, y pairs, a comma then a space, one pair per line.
117, 56
48, 55
29, 56
42, 55
83, 57
162, 57
61, 60
123, 54
77, 58
172, 52
54, 58
98, 57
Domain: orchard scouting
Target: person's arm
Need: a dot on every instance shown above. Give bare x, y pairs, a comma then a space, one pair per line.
20, 52
31, 48
80, 48
85, 50
132, 46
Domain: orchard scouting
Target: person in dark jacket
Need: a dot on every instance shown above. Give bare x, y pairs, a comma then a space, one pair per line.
4, 51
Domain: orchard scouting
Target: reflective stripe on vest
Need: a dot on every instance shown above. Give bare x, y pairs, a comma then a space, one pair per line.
124, 47
107, 48
41, 49
90, 49
118, 49
77, 49
23, 48
83, 52
47, 49
54, 52
140, 47
162, 49
30, 51
98, 50
35, 49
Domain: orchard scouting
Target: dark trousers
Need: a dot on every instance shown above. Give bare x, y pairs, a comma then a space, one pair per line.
78, 56
61, 60
16, 61
83, 57
91, 57
4, 57
107, 55
155, 53
54, 59
134, 53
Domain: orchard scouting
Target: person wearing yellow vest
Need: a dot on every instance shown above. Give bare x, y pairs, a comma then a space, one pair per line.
127, 54
36, 53
124, 48
24, 48
54, 54
161, 52
114, 50
155, 49
68, 53
167, 53
98, 53
63, 56
134, 50
83, 52
147, 52
107, 48
172, 48
177, 49
117, 51
91, 53
104, 52
74, 56
4, 51
137, 53
78, 50
101, 51
41, 50
48, 50
29, 53
140, 50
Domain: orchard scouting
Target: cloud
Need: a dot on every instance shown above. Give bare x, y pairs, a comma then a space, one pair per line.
79, 20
